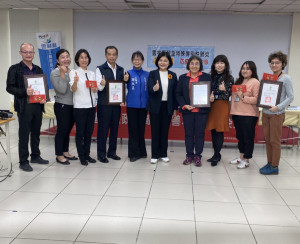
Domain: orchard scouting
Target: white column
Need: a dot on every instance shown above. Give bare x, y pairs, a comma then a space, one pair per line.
5, 59
294, 55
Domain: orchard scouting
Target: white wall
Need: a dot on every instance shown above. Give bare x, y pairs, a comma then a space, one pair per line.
5, 57
59, 20
240, 37
294, 66
24, 24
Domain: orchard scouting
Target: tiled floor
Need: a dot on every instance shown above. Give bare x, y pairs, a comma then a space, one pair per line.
167, 203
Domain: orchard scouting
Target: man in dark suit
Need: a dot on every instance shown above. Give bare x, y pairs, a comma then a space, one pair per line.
29, 114
108, 115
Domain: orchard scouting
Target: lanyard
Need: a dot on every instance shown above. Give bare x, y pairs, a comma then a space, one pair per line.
90, 90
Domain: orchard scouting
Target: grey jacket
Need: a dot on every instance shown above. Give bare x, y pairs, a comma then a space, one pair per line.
61, 86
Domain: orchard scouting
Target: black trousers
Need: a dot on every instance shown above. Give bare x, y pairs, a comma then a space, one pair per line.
245, 133
194, 127
84, 119
108, 120
30, 123
136, 131
217, 141
65, 122
160, 124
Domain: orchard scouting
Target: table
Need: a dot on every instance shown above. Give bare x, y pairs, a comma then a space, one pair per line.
6, 123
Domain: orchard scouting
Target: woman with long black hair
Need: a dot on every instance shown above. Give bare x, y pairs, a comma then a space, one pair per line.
218, 117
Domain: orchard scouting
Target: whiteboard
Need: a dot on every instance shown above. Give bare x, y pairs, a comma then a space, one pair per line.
240, 37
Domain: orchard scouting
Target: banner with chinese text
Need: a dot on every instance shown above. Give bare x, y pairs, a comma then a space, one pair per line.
48, 44
181, 54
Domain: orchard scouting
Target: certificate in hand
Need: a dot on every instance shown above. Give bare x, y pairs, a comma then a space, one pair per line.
115, 92
40, 88
269, 93
200, 94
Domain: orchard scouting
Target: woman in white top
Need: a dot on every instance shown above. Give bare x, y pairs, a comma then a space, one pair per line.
84, 103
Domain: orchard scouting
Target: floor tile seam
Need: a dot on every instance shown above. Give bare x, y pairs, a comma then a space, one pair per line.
281, 226
29, 180
148, 198
194, 207
283, 200
292, 166
104, 194
39, 239
166, 219
171, 199
239, 202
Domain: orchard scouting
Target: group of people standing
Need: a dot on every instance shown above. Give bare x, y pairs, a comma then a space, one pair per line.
160, 93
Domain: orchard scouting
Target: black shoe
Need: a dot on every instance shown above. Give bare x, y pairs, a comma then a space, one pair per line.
103, 159
25, 167
84, 162
133, 159
71, 158
210, 159
63, 162
39, 160
213, 158
214, 163
114, 157
90, 160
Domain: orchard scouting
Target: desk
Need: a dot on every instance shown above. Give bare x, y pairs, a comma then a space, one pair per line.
6, 122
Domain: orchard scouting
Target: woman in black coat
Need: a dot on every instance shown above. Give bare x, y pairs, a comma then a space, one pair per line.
162, 105
194, 119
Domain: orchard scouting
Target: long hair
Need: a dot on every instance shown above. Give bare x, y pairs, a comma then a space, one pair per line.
252, 67
213, 72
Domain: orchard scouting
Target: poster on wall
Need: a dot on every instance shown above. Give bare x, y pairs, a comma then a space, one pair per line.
180, 55
48, 44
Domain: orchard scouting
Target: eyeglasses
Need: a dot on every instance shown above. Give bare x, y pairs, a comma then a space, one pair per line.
275, 63
30, 53
195, 64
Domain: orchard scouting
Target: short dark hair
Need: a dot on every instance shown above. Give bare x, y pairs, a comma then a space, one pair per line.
281, 56
192, 58
252, 67
79, 52
111, 47
164, 54
59, 52
137, 54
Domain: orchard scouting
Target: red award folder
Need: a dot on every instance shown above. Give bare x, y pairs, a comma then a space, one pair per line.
236, 88
269, 77
37, 98
91, 83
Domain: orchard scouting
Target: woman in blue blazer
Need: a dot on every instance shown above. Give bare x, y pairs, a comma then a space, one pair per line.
162, 105
194, 119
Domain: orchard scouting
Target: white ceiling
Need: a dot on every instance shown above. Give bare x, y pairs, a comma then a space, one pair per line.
256, 6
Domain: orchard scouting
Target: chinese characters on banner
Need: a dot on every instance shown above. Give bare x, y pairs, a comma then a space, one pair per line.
48, 44
181, 54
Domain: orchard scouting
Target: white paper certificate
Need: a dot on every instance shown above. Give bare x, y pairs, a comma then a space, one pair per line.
115, 93
269, 94
200, 94
37, 84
